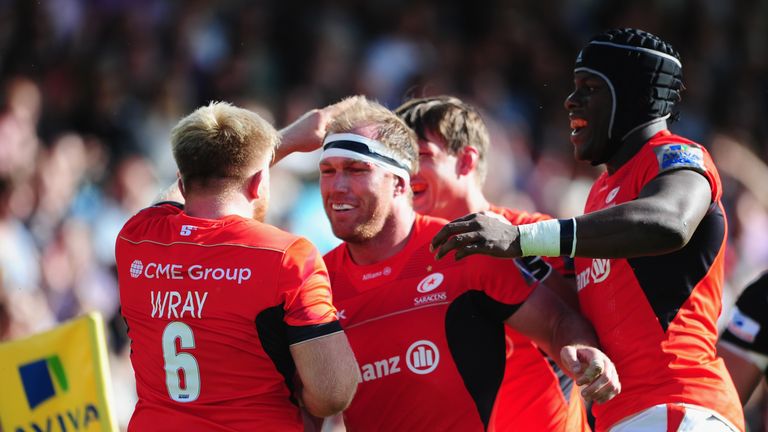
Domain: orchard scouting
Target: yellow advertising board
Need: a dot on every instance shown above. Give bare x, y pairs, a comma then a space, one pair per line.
57, 380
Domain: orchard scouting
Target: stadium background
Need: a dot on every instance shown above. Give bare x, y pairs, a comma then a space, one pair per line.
90, 89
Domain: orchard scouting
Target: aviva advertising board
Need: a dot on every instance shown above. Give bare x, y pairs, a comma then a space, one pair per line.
57, 381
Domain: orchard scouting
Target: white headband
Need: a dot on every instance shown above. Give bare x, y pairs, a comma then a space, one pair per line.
358, 147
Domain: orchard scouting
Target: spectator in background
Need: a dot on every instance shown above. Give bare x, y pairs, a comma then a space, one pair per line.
257, 333
650, 246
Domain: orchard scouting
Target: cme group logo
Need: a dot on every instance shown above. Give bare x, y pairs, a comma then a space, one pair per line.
38, 379
136, 268
422, 357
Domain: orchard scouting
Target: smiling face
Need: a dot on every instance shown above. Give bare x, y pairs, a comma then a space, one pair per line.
437, 185
357, 197
589, 110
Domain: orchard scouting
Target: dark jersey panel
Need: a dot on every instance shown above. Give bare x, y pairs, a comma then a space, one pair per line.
748, 327
273, 334
474, 327
666, 287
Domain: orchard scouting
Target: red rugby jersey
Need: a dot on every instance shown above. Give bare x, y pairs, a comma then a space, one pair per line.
428, 335
655, 315
212, 307
534, 400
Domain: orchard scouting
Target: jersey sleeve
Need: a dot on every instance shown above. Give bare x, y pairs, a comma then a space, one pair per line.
691, 156
506, 283
307, 298
748, 327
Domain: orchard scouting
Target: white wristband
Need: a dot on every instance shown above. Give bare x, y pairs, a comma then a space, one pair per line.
540, 238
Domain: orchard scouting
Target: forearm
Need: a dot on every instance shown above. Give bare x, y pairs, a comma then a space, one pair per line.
280, 153
327, 372
636, 228
571, 328
551, 323
569, 340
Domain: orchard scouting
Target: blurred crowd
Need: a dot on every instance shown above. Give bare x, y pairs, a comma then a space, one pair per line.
89, 91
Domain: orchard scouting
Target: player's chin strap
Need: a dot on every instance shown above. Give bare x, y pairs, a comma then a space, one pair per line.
358, 147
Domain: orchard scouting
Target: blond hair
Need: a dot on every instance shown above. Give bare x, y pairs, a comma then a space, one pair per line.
389, 129
221, 142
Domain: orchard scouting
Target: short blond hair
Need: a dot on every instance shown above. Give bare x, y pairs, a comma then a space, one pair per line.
221, 142
389, 129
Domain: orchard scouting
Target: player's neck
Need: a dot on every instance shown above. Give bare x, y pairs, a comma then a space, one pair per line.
217, 206
633, 142
388, 242
472, 201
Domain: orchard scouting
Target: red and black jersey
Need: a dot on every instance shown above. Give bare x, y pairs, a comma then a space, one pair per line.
655, 315
748, 327
428, 335
212, 307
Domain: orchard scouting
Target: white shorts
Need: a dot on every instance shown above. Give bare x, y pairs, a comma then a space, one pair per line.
674, 418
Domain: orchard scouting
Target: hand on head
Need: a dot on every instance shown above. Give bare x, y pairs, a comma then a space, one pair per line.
307, 132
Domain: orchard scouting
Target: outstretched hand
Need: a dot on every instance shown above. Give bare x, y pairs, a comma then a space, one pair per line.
307, 132
591, 368
478, 233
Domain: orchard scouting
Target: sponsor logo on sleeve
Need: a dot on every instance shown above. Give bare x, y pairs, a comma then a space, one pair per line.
674, 156
743, 327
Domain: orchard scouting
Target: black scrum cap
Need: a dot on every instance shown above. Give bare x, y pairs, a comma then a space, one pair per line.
643, 73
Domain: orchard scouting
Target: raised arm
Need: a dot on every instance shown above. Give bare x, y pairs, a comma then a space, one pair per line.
662, 219
307, 132
558, 329
328, 373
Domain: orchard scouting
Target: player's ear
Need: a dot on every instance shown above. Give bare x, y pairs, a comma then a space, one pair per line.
467, 159
180, 183
401, 186
253, 184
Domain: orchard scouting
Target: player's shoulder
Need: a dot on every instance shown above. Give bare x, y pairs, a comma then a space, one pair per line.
519, 217
427, 226
164, 208
271, 237
335, 255
671, 151
149, 215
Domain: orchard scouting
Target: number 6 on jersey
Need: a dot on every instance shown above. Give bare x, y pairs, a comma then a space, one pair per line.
176, 362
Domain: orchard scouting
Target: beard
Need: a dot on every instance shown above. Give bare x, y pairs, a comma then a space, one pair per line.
360, 231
